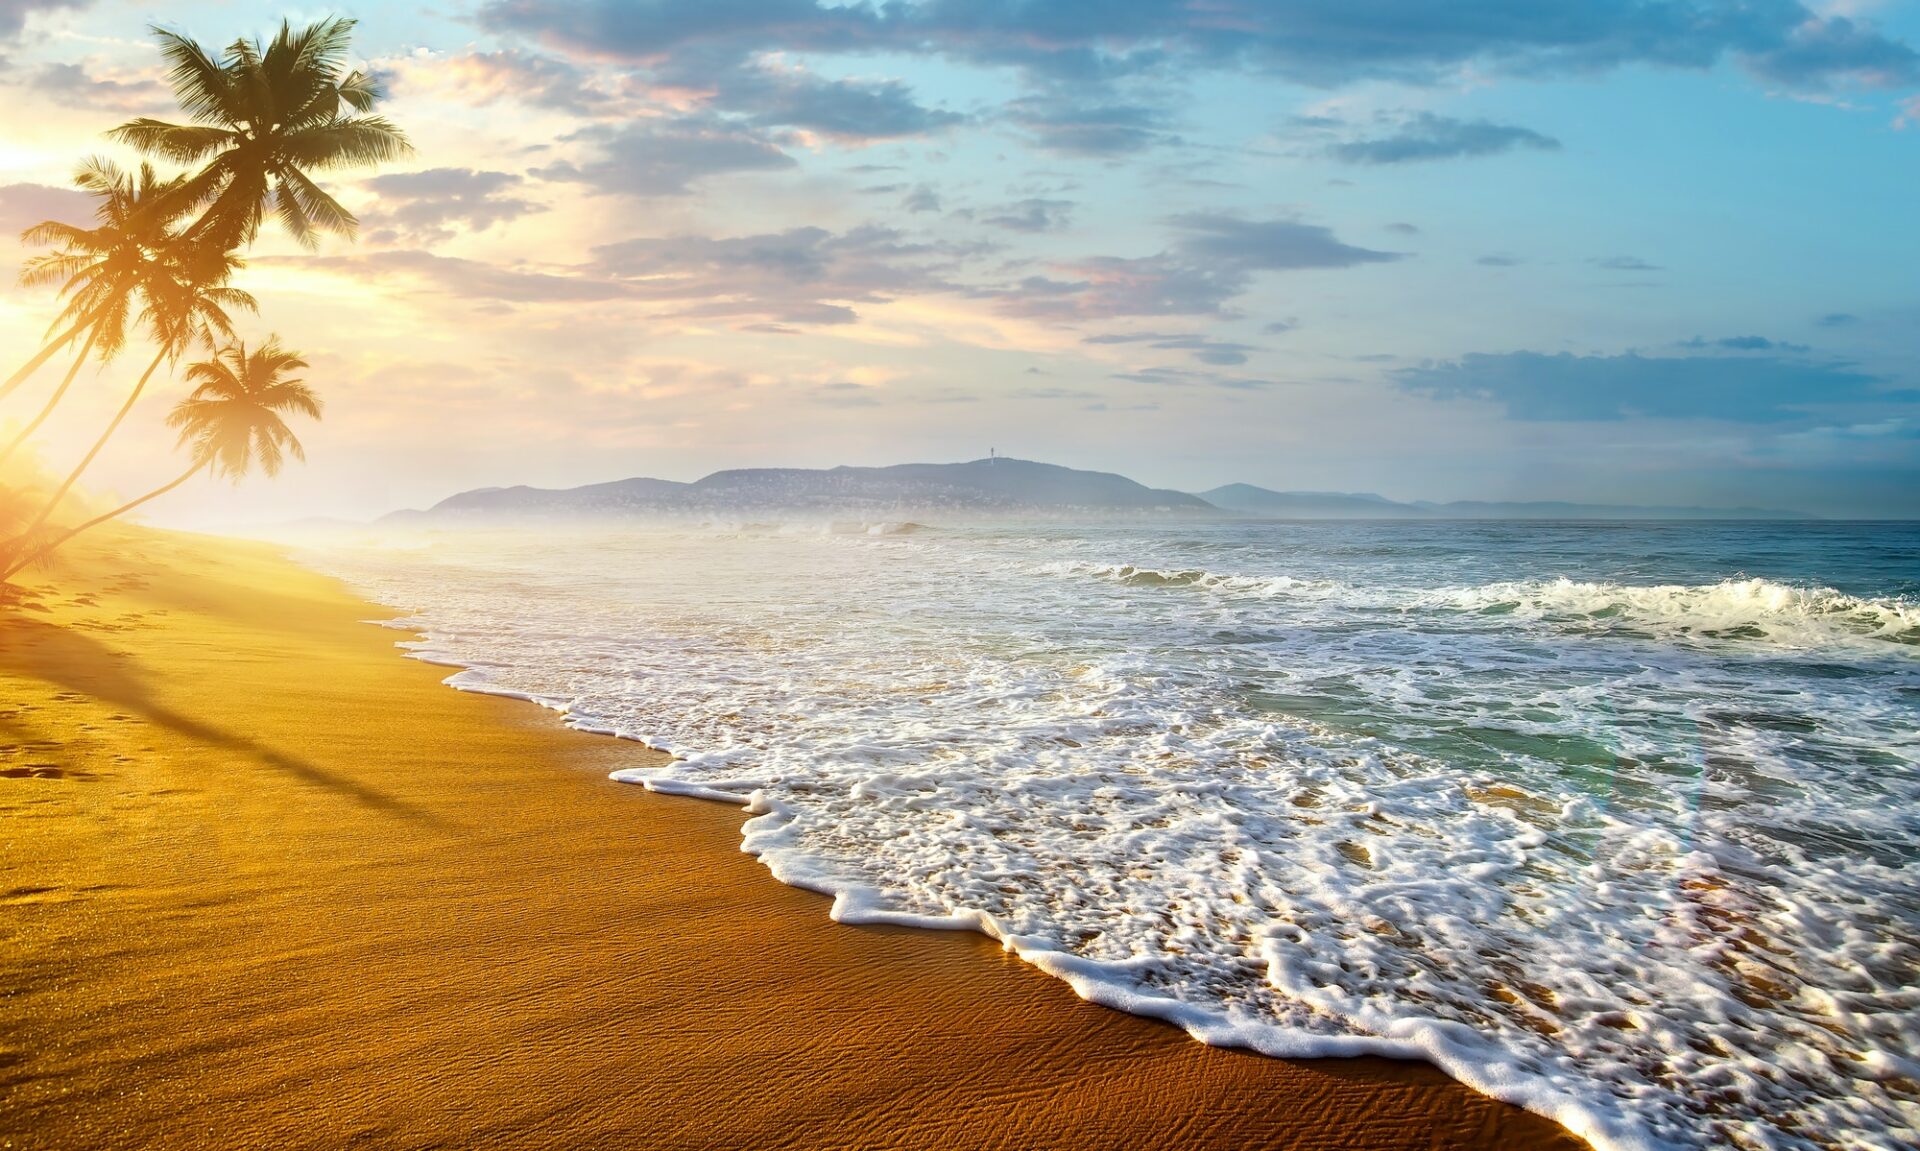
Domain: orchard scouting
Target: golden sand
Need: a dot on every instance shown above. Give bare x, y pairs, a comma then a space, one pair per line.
263, 883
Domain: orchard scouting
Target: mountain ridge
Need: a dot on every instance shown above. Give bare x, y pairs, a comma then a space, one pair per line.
993, 485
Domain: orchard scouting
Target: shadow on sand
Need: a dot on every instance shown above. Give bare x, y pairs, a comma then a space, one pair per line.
67, 660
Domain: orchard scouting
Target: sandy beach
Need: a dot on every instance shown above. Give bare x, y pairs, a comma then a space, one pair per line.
265, 883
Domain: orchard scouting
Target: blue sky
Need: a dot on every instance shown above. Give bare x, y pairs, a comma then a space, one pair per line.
1659, 252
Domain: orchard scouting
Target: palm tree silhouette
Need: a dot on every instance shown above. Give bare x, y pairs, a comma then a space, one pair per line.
134, 250
263, 117
186, 301
232, 420
98, 267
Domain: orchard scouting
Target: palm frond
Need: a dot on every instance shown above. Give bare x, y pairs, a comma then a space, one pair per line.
361, 91
214, 377
319, 50
243, 55
99, 176
232, 218
202, 85
180, 143
351, 142
234, 298
49, 232
294, 396
287, 209
325, 212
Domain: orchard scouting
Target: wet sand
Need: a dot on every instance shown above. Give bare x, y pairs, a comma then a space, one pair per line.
264, 883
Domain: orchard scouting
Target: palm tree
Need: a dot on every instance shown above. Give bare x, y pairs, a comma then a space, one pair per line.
133, 250
231, 420
263, 118
98, 269
186, 304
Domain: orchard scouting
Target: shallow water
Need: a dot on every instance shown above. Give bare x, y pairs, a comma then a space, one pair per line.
1619, 822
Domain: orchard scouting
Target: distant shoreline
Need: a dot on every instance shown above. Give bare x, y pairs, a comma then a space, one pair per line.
1004, 486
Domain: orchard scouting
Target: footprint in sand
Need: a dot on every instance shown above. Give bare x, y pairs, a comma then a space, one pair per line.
44, 771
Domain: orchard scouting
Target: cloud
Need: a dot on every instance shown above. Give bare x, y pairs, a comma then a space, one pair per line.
798, 276
485, 78
1033, 215
847, 110
1404, 229
1817, 51
651, 159
744, 89
1624, 264
845, 394
1204, 349
1107, 286
1186, 377
1268, 244
1740, 389
1064, 124
24, 205
1837, 320
921, 199
1318, 42
1744, 344
14, 13
1497, 261
423, 207
1425, 136
1212, 260
73, 86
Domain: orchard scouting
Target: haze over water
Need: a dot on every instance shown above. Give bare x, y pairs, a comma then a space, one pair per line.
1621, 822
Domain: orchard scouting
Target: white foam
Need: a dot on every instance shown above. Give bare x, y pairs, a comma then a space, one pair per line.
1736, 609
1597, 849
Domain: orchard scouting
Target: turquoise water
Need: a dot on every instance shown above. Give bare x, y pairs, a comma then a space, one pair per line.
1619, 822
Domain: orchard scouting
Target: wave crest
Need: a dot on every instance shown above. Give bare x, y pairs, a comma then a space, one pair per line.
1732, 609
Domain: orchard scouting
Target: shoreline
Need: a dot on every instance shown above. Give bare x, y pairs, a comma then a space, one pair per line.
267, 883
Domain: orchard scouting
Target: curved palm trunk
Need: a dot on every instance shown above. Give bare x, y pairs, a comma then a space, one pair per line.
73, 477
54, 401
36, 553
39, 358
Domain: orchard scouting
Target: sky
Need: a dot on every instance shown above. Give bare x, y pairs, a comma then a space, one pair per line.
1646, 251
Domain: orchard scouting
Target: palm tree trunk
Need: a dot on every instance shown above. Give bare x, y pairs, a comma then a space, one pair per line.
35, 553
40, 357
73, 477
7, 452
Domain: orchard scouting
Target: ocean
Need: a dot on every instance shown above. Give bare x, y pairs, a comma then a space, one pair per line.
1619, 822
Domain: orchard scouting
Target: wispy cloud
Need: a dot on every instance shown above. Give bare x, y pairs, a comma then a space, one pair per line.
1320, 42
1425, 136
1032, 215
425, 207
656, 159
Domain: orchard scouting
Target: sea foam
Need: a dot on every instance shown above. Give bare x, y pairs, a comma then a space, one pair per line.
1640, 857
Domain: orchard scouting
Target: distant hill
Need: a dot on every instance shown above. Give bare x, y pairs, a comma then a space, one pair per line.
1257, 501
986, 487
979, 486
1306, 505
635, 495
